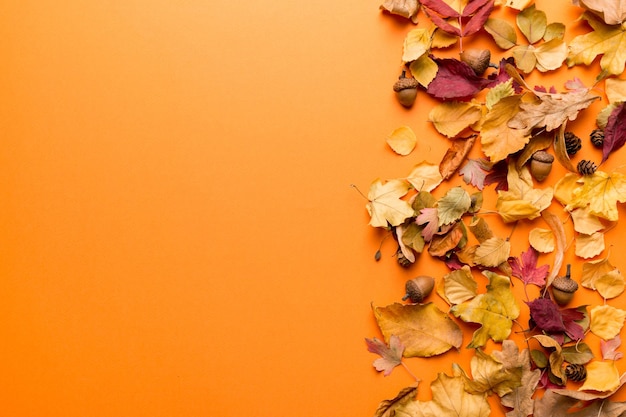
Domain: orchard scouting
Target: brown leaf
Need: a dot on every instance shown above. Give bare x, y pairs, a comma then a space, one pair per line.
561, 151
404, 8
390, 408
455, 156
441, 244
555, 403
556, 226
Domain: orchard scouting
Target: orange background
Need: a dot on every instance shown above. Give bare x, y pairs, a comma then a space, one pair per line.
179, 234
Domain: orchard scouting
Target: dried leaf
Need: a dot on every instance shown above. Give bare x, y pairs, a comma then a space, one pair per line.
546, 315
458, 286
520, 399
580, 353
606, 321
609, 349
411, 237
404, 8
455, 80
404, 249
385, 205
611, 284
395, 406
425, 176
492, 252
556, 226
606, 40
532, 23
402, 140
551, 55
614, 132
554, 30
537, 143
615, 90
498, 92
391, 356
525, 58
542, 240
560, 150
453, 205
526, 268
601, 192
423, 329
593, 270
424, 69
497, 139
474, 172
601, 376
490, 375
494, 311
612, 12
589, 246
441, 244
416, 44
556, 357
502, 32
585, 222
451, 118
522, 200
555, 403
429, 219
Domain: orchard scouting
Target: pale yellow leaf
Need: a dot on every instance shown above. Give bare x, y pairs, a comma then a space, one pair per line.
532, 23
424, 69
606, 321
404, 8
615, 89
542, 240
416, 44
458, 286
451, 118
593, 270
601, 376
551, 55
588, 246
492, 252
425, 176
522, 200
525, 58
611, 284
518, 4
585, 222
554, 31
613, 12
502, 32
402, 140
498, 92
497, 139
385, 205
442, 39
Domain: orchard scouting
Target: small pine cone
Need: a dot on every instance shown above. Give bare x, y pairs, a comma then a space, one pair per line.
575, 372
572, 143
597, 137
402, 260
586, 167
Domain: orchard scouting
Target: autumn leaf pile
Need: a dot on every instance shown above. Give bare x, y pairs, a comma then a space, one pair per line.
504, 134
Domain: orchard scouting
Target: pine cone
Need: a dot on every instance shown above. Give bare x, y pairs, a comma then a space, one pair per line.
597, 137
576, 372
586, 167
402, 260
572, 143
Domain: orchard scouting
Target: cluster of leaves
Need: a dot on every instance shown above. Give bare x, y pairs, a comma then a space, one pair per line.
510, 121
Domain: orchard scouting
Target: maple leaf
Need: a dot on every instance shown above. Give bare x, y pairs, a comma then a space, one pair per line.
609, 349
455, 80
402, 140
453, 205
458, 286
496, 138
494, 310
614, 132
606, 321
572, 319
423, 329
606, 40
601, 192
475, 171
428, 217
526, 268
385, 205
391, 356
455, 156
404, 8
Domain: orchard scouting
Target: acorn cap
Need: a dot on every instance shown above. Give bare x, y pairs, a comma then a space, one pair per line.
565, 284
543, 156
404, 82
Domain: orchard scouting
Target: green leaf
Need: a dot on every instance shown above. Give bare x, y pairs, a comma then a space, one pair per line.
453, 205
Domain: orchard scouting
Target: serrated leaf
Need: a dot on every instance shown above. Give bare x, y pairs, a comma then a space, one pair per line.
423, 329
498, 92
502, 32
385, 205
402, 140
492, 252
494, 311
474, 172
453, 205
425, 176
606, 321
416, 44
497, 139
609, 349
612, 12
526, 268
390, 356
451, 118
589, 246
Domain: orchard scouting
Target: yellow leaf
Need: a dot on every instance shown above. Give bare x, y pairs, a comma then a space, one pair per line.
603, 115
402, 140
606, 321
588, 246
404, 8
601, 192
551, 55
525, 58
425, 176
497, 139
490, 375
492, 252
458, 286
538, 142
593, 270
564, 188
442, 39
451, 118
532, 23
556, 357
502, 32
542, 240
556, 225
585, 222
601, 376
615, 90
521, 200
385, 206
423, 329
453, 205
611, 284
424, 69
554, 30
606, 40
560, 149
416, 44
518, 4
498, 92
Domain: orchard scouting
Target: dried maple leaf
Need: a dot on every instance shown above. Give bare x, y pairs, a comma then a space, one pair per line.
385, 205
430, 220
520, 399
526, 268
455, 156
391, 356
455, 80
423, 329
475, 171
404, 8
494, 310
614, 132
606, 40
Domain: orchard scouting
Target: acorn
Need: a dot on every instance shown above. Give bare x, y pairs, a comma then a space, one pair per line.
563, 288
541, 165
586, 167
597, 137
477, 59
418, 288
572, 143
406, 90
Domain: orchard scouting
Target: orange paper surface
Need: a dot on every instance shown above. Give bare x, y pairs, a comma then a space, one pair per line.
179, 232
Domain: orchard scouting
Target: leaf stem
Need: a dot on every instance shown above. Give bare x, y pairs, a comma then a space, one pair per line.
409, 371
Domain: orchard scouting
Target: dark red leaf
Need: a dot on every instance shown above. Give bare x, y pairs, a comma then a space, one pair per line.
546, 315
441, 23
473, 6
526, 268
574, 330
498, 176
440, 7
615, 131
477, 22
455, 80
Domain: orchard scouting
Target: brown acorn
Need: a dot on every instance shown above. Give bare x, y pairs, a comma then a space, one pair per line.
418, 288
541, 165
406, 90
563, 288
478, 59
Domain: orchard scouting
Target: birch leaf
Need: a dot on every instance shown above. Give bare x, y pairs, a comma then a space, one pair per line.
497, 139
551, 55
502, 32
425, 176
589, 246
423, 329
416, 44
593, 270
451, 118
494, 310
385, 205
615, 90
453, 205
525, 58
492, 252
542, 240
424, 70
402, 140
601, 376
606, 321
458, 286
532, 23
585, 222
611, 284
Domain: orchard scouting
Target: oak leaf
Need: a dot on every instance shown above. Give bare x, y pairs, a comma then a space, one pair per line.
423, 329
391, 356
526, 268
385, 205
494, 310
606, 321
520, 400
451, 118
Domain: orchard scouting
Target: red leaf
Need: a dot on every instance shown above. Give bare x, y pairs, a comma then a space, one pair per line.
455, 80
441, 22
477, 22
473, 7
474, 172
574, 330
526, 268
498, 176
615, 131
440, 7
546, 315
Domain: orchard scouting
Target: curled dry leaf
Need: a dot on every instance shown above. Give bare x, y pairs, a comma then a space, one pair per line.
396, 405
560, 149
402, 140
455, 156
404, 8
614, 132
556, 226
